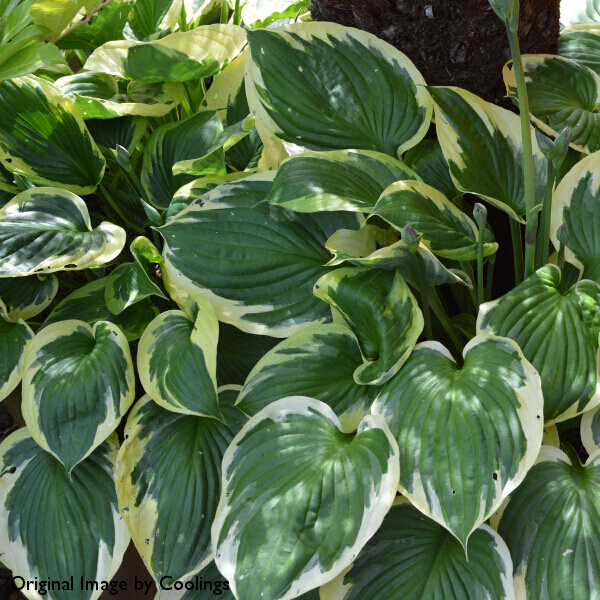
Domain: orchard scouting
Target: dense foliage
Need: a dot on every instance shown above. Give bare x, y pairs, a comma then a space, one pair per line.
246, 292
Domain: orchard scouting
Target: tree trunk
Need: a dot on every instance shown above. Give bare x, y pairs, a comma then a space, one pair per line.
452, 42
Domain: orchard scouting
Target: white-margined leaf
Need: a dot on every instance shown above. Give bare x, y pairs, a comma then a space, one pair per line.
255, 262
169, 481
54, 526
78, 381
379, 307
558, 333
26, 297
590, 430
150, 17
290, 477
304, 81
582, 45
483, 147
49, 229
261, 13
44, 138
467, 435
319, 360
177, 359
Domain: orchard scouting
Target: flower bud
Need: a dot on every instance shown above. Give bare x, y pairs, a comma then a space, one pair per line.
508, 11
562, 233
411, 238
480, 214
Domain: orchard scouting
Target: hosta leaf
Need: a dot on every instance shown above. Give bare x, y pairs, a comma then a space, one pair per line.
551, 437
48, 229
238, 352
78, 382
177, 359
97, 96
339, 180
34, 56
122, 131
88, 304
131, 282
562, 93
172, 143
318, 360
256, 262
181, 56
210, 584
15, 338
427, 160
306, 85
558, 333
590, 430
149, 17
576, 202
169, 477
55, 15
290, 477
226, 86
483, 147
261, 13
127, 205
381, 310
411, 556
199, 12
582, 46
360, 248
44, 138
467, 436
551, 527
446, 230
26, 297
53, 525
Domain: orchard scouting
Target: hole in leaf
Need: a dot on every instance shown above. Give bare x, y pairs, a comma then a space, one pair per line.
8, 160
495, 476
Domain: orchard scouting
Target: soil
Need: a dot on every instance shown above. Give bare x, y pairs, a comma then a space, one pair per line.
452, 42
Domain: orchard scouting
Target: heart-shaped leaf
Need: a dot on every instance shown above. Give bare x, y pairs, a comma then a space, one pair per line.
411, 556
558, 333
305, 83
379, 307
257, 263
467, 435
48, 229
44, 138
483, 146
551, 527
446, 230
149, 17
562, 93
26, 297
582, 45
290, 463
177, 359
168, 482
339, 180
54, 526
78, 381
320, 360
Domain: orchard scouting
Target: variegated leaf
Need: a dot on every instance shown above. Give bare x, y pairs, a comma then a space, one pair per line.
120, 131
26, 297
152, 18
582, 45
590, 430
78, 381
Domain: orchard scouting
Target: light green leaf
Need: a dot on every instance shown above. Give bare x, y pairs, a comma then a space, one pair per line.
55, 15
172, 143
88, 304
44, 138
78, 381
411, 556
34, 56
360, 248
26, 297
131, 282
187, 381
446, 230
582, 46
319, 360
49, 229
482, 145
54, 526
381, 310
15, 338
562, 93
261, 13
181, 56
558, 332
257, 262
169, 477
339, 180
122, 131
305, 83
427, 160
576, 202
467, 436
551, 527
272, 485
150, 17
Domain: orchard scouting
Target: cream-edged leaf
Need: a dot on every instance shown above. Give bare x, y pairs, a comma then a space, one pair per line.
590, 430
26, 297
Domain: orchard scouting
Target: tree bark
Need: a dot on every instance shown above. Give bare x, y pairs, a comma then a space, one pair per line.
452, 42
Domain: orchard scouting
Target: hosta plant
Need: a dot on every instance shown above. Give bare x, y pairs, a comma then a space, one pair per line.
249, 308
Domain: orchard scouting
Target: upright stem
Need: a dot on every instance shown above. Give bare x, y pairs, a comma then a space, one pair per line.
547, 214
480, 267
515, 231
424, 291
440, 313
225, 12
468, 269
531, 214
490, 277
